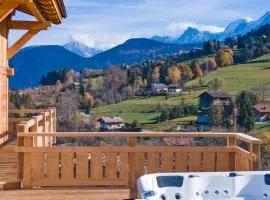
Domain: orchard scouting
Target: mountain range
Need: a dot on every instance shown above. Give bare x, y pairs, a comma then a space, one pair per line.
238, 27
31, 63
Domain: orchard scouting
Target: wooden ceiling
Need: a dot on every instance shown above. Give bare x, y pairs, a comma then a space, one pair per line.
45, 12
50, 10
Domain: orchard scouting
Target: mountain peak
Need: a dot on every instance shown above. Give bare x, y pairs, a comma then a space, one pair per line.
192, 30
235, 26
239, 27
81, 49
265, 17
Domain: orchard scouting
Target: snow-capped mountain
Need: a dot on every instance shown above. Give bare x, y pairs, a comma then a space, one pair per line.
238, 27
192, 35
81, 49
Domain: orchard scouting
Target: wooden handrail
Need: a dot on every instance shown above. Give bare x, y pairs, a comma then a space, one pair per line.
128, 149
27, 111
239, 136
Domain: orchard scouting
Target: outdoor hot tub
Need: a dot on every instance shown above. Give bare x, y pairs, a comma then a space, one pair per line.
214, 186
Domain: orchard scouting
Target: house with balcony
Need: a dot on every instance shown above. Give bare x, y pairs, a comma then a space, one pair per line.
111, 123
158, 88
211, 98
36, 167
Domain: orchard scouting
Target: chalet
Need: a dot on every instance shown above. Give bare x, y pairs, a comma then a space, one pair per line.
158, 88
212, 98
111, 123
174, 88
261, 112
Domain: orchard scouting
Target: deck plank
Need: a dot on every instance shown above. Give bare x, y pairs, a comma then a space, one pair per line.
66, 194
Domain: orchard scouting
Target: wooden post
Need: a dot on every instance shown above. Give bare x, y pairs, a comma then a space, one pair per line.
231, 142
51, 126
3, 77
43, 123
256, 150
54, 120
132, 169
35, 129
24, 165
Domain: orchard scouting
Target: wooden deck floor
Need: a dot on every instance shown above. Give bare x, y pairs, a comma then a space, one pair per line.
66, 194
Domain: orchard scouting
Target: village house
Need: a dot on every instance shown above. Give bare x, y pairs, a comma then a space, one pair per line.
111, 123
158, 88
174, 88
211, 98
261, 112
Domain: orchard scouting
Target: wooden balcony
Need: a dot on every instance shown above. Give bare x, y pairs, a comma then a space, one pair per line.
43, 162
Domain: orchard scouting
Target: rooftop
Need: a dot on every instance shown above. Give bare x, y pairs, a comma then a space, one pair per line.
262, 108
215, 94
111, 119
159, 85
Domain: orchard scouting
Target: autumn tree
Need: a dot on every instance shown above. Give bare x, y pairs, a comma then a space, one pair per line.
70, 76
212, 65
224, 58
186, 72
58, 85
198, 70
174, 74
115, 78
138, 83
136, 123
156, 74
67, 104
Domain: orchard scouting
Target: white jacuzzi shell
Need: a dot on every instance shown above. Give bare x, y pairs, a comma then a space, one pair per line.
212, 185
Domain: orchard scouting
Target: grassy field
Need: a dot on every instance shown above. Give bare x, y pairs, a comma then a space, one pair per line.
166, 126
240, 77
234, 79
261, 128
143, 108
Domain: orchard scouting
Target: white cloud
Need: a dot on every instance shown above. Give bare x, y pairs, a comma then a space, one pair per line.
179, 27
100, 42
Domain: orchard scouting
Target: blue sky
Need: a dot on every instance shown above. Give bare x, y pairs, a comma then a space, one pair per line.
105, 23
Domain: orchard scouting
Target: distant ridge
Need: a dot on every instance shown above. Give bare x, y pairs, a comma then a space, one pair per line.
31, 63
238, 27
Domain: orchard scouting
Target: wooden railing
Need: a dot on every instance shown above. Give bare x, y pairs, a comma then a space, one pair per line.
40, 120
43, 119
122, 165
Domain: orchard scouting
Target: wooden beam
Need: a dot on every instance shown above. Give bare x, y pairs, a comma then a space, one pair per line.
21, 42
6, 71
34, 10
27, 25
6, 8
57, 10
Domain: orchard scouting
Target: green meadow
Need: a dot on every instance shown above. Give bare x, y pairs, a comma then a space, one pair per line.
234, 79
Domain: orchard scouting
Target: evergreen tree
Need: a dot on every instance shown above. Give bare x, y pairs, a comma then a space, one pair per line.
207, 47
245, 102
